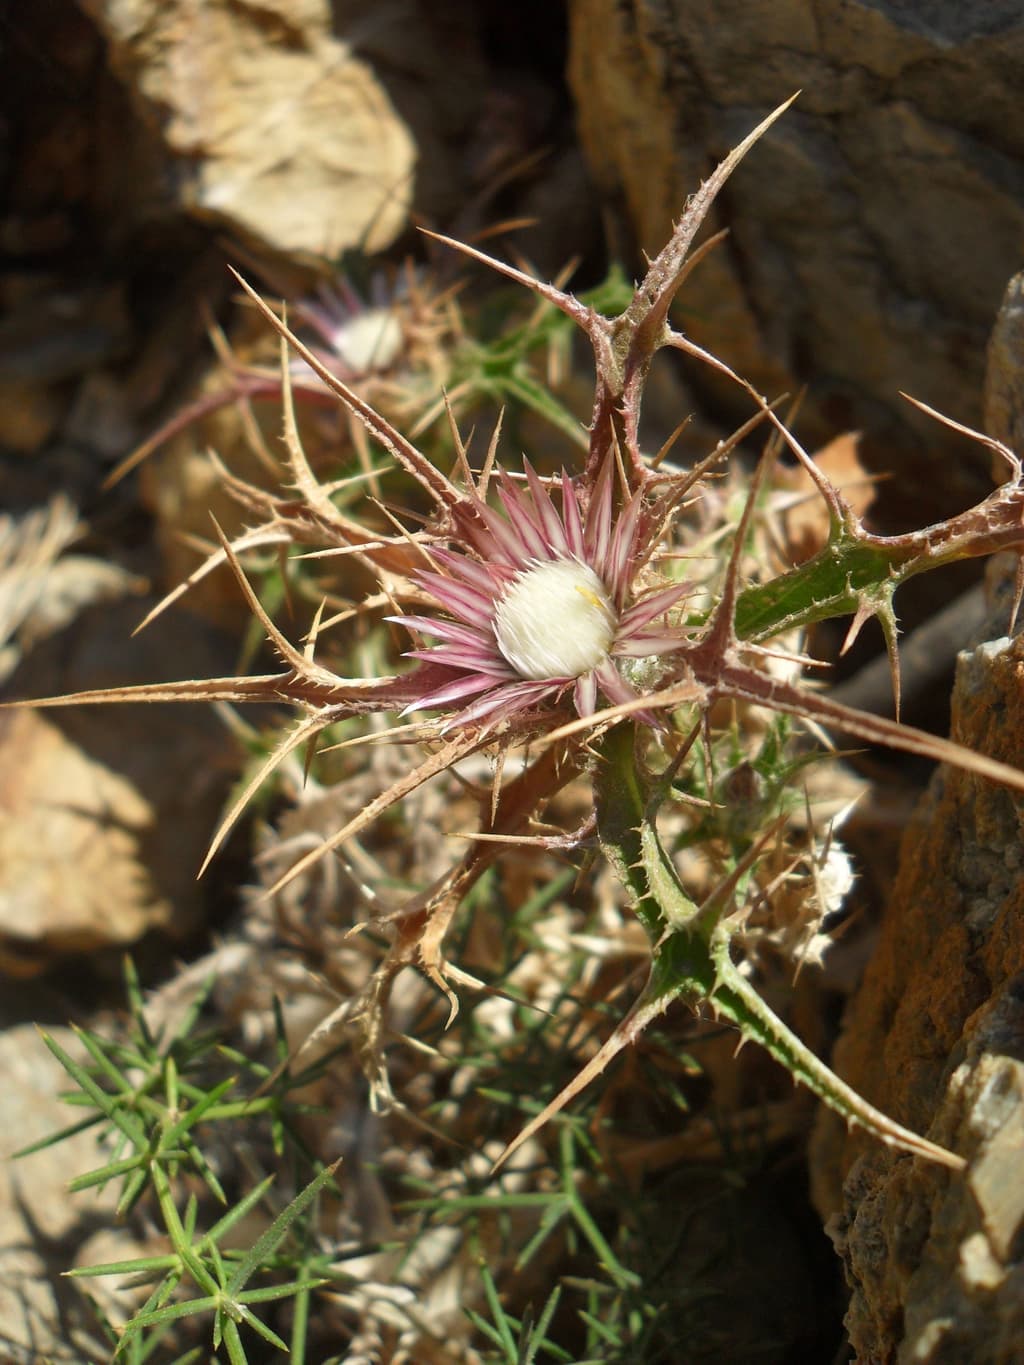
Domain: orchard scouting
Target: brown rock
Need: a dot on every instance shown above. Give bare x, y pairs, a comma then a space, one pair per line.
1004, 373
29, 414
933, 1260
107, 811
935, 1035
938, 1028
69, 849
872, 230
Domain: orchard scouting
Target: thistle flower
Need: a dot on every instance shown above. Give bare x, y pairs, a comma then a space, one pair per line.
539, 602
381, 342
360, 337
546, 603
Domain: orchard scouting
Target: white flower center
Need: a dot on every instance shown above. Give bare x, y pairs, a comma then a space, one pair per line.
370, 340
555, 621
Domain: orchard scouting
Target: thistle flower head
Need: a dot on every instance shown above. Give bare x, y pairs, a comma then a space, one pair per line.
538, 602
555, 620
361, 337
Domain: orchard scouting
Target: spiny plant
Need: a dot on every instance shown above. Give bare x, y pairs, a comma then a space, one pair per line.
549, 621
154, 1098
387, 344
399, 349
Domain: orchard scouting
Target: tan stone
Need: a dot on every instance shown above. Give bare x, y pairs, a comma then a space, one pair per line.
41, 1316
105, 812
275, 127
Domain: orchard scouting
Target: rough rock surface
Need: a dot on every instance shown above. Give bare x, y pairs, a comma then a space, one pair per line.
43, 1231
1004, 375
871, 232
935, 1036
106, 812
302, 126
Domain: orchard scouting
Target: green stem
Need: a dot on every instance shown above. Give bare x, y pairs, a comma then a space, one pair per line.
856, 568
736, 1000
691, 948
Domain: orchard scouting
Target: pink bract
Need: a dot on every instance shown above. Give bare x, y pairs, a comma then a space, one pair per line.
498, 552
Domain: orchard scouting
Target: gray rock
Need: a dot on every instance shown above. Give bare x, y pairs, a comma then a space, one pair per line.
871, 232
